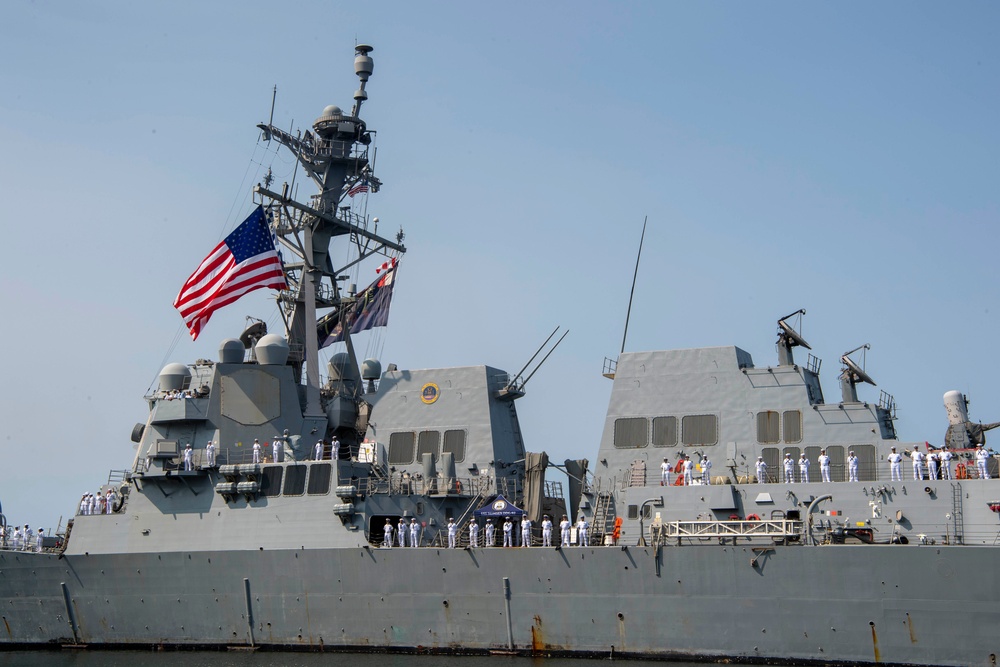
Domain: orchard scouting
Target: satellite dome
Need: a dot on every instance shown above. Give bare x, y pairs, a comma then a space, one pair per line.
332, 110
172, 377
371, 369
339, 366
231, 351
272, 350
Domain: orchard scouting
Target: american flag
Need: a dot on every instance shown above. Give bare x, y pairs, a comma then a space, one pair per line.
362, 186
245, 260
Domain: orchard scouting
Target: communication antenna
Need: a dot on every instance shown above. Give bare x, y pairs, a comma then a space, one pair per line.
515, 386
852, 374
635, 275
789, 337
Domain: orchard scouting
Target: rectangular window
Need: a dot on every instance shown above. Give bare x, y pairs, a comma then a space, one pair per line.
401, 448
768, 424
270, 481
427, 443
664, 431
866, 462
319, 479
631, 432
699, 430
633, 511
454, 442
295, 480
792, 426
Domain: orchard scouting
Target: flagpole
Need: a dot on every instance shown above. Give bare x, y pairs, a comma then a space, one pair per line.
634, 276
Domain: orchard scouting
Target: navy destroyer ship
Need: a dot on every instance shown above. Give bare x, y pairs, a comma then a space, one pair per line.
360, 519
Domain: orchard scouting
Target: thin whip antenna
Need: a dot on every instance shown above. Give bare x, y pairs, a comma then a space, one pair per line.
634, 276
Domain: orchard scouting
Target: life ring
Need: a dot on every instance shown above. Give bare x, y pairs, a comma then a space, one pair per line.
752, 517
960, 472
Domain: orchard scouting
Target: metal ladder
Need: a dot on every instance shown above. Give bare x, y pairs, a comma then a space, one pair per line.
602, 507
958, 520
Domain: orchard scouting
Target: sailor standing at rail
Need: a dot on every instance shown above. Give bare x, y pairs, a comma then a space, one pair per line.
803, 468
473, 533
706, 470
210, 453
83, 504
852, 467
946, 456
401, 532
918, 462
895, 458
387, 534
564, 527
789, 466
981, 457
581, 531
335, 448
546, 531
109, 501
508, 529
15, 538
526, 532
275, 449
932, 464
687, 470
761, 470
188, 460
256, 451
452, 532
824, 465
414, 533
665, 472
490, 534
318, 451
39, 536
27, 538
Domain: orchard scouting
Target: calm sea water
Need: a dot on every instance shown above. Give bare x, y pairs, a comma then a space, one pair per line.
88, 658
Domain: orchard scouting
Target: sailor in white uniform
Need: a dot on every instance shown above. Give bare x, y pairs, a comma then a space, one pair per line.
803, 468
508, 529
789, 466
917, 457
414, 533
981, 458
109, 501
852, 466
687, 470
706, 470
761, 470
84, 502
526, 532
582, 527
38, 540
932, 464
210, 453
824, 465
473, 533
335, 448
895, 458
946, 456
318, 451
275, 450
401, 532
665, 472
27, 538
452, 533
188, 457
387, 538
256, 451
564, 527
490, 534
15, 539
546, 531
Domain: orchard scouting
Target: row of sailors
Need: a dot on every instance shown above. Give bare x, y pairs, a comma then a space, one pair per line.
96, 503
211, 452
21, 539
938, 465
413, 530
685, 470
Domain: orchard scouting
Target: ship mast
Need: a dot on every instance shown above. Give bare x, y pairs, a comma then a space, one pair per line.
336, 159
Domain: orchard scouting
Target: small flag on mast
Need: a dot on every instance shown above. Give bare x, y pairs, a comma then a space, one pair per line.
369, 310
360, 186
245, 261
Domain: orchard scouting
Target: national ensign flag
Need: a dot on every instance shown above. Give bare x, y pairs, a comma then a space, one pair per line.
370, 308
362, 186
245, 261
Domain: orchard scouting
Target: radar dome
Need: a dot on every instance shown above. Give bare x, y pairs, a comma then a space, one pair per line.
332, 110
371, 369
272, 350
231, 351
173, 376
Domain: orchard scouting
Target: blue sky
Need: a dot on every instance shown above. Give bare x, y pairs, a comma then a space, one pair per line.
838, 157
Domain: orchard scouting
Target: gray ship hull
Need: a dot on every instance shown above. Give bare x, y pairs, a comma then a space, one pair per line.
855, 604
